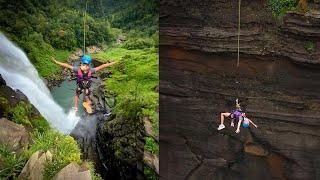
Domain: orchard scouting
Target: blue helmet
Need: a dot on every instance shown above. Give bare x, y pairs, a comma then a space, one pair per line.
86, 59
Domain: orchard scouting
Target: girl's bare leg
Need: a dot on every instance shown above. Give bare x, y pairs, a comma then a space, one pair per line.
222, 116
76, 102
239, 123
87, 99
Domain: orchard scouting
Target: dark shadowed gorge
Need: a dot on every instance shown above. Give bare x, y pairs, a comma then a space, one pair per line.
278, 87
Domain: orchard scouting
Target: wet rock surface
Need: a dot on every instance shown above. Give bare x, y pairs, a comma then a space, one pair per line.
13, 97
86, 131
124, 141
281, 97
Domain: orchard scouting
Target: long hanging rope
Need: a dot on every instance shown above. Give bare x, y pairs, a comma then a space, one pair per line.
238, 61
84, 29
238, 58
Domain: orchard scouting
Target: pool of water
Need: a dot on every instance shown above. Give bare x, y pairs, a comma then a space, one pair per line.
64, 94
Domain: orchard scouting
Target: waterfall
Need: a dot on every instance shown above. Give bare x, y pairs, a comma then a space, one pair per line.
19, 74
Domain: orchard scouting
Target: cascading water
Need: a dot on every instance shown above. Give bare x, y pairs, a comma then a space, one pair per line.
19, 73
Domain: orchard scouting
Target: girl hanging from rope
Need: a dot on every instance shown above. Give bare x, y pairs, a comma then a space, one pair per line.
236, 115
84, 75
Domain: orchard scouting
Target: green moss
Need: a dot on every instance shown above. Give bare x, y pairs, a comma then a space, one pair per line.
310, 47
151, 145
150, 174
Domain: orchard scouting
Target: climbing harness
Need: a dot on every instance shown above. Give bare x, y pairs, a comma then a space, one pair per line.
81, 77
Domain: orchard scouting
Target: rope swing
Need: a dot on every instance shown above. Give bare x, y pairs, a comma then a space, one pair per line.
237, 85
84, 29
238, 60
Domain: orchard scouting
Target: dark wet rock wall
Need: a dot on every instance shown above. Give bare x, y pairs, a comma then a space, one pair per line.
277, 84
280, 96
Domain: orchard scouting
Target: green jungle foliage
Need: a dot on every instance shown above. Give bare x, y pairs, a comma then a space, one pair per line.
280, 7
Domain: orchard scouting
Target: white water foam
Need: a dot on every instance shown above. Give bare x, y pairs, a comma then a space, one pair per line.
19, 73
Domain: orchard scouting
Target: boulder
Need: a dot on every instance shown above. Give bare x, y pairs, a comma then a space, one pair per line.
148, 126
14, 136
255, 149
151, 160
74, 172
33, 170
75, 55
93, 49
120, 39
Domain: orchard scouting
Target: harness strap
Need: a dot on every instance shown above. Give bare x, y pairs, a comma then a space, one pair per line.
80, 75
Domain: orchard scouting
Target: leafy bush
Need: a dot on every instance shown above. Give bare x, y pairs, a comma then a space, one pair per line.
22, 114
280, 7
138, 43
63, 148
94, 175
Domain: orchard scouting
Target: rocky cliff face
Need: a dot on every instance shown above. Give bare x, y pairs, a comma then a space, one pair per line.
87, 132
115, 145
212, 27
277, 83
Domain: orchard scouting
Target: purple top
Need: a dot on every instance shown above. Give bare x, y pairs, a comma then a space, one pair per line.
237, 113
